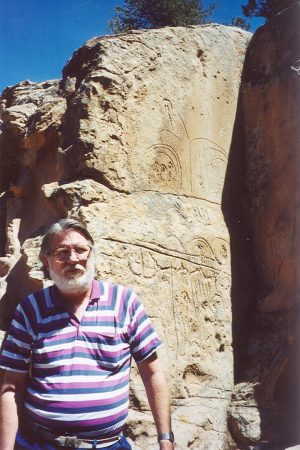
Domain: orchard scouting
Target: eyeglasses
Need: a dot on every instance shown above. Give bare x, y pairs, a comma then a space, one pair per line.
63, 253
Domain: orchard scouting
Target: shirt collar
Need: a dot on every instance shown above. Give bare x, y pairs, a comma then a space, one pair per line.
94, 296
96, 291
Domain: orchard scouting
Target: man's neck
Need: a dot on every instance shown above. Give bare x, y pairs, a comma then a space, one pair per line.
77, 302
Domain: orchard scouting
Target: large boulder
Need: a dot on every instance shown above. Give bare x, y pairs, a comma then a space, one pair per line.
270, 103
134, 142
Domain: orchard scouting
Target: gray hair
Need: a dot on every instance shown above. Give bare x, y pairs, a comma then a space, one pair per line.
58, 227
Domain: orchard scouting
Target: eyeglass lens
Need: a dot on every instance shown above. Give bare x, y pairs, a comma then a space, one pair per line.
63, 253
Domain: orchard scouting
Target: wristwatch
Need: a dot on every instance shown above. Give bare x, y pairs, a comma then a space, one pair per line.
166, 437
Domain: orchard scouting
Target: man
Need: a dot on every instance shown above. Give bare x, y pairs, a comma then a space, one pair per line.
68, 352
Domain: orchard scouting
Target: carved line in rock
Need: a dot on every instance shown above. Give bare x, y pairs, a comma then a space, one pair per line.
199, 299
166, 169
143, 262
199, 213
204, 287
209, 170
174, 310
204, 176
168, 106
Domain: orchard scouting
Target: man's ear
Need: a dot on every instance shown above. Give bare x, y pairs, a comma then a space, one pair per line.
45, 261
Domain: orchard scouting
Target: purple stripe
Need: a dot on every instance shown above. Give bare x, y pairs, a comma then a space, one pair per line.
121, 312
84, 384
19, 316
141, 316
41, 302
65, 404
110, 294
13, 363
145, 330
95, 352
97, 423
146, 351
151, 344
74, 367
95, 290
16, 333
102, 420
97, 319
18, 349
29, 308
60, 322
89, 335
56, 338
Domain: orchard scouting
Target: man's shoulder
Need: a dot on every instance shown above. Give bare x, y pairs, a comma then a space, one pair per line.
36, 297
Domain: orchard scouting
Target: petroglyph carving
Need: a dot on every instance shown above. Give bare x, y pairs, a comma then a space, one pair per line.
222, 250
203, 161
201, 248
166, 170
186, 317
204, 286
200, 244
203, 215
183, 304
171, 115
208, 168
142, 263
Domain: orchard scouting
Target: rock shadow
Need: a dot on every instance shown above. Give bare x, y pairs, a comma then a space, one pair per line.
275, 382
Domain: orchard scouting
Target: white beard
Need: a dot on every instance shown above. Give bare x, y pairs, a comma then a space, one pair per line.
79, 281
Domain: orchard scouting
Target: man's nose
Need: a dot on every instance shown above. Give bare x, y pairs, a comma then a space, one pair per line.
72, 256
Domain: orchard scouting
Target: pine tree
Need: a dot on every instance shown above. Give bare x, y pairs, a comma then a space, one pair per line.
240, 23
138, 14
265, 8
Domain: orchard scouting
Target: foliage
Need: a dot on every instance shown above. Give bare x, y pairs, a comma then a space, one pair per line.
241, 23
265, 8
138, 14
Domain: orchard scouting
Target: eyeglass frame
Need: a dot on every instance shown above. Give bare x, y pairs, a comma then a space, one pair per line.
70, 250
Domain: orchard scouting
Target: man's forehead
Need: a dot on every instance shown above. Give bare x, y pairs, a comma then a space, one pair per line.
68, 237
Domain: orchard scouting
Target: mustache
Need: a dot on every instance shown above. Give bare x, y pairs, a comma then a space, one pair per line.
73, 267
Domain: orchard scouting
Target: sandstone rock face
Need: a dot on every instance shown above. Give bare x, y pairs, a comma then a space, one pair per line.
270, 101
134, 141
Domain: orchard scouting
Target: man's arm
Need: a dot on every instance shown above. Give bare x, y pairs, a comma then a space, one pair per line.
158, 396
11, 401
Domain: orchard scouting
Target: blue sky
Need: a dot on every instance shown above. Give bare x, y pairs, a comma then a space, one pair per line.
37, 37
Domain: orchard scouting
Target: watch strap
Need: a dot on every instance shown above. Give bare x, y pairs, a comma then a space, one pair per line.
166, 436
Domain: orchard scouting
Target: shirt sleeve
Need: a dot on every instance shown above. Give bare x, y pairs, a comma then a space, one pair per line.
143, 338
16, 351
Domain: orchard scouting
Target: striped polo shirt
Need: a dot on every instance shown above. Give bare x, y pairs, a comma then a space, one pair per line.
80, 370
